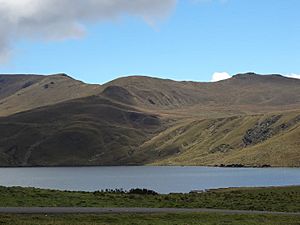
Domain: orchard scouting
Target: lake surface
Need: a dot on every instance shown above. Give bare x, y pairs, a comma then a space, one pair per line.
160, 179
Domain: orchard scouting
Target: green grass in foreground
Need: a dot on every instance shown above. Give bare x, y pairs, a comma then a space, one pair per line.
153, 219
266, 199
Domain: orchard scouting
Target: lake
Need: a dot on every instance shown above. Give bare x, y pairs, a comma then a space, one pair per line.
161, 179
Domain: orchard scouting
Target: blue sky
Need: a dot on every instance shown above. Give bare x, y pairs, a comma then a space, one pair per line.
195, 40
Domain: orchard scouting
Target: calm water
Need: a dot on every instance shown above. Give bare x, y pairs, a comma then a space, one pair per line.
160, 179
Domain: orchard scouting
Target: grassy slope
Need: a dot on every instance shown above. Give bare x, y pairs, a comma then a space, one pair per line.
10, 84
29, 92
285, 199
220, 141
157, 219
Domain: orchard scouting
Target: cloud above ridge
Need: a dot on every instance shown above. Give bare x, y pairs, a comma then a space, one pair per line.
64, 19
293, 75
217, 76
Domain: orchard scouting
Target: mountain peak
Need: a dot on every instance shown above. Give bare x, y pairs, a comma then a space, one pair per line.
243, 75
255, 76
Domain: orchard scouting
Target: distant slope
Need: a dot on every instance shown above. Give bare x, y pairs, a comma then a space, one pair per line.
249, 119
248, 92
25, 92
244, 93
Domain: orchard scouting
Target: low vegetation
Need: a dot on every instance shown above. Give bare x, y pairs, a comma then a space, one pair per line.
285, 199
142, 219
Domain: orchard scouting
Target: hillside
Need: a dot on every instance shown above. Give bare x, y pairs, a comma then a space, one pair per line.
251, 140
249, 119
9, 84
247, 92
24, 92
86, 131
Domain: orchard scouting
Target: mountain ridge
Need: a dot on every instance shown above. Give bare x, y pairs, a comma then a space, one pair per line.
55, 120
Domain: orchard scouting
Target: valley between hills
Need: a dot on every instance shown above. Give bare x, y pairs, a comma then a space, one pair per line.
247, 120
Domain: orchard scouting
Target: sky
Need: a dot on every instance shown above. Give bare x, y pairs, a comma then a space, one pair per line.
99, 40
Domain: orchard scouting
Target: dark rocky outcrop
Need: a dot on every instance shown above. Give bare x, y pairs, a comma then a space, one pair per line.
264, 130
261, 131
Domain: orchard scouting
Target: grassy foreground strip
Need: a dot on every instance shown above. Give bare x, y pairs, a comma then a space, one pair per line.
280, 199
157, 219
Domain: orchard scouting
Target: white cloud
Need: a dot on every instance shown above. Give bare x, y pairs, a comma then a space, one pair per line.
209, 1
63, 19
293, 75
217, 76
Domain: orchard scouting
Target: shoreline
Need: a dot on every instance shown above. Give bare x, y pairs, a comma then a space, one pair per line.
124, 191
238, 166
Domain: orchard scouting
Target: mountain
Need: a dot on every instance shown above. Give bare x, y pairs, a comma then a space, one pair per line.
249, 91
24, 92
249, 119
86, 131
